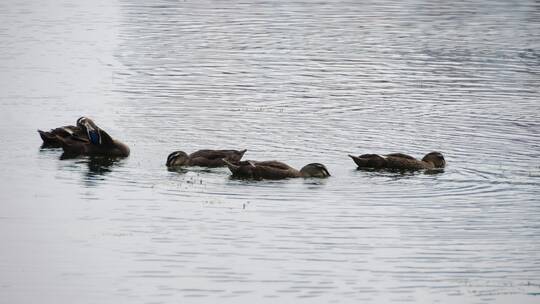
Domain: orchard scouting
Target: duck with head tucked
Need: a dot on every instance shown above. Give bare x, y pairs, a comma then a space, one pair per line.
274, 170
400, 161
204, 158
52, 138
85, 138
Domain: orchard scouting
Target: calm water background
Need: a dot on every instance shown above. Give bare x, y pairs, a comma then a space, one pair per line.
297, 81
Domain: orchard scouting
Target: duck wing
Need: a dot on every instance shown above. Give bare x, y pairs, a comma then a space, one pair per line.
91, 129
106, 139
274, 164
402, 163
73, 145
233, 155
95, 134
273, 170
50, 138
369, 161
400, 155
207, 162
261, 169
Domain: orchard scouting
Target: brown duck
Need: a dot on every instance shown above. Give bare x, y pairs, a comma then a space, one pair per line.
85, 138
274, 170
399, 161
52, 138
204, 158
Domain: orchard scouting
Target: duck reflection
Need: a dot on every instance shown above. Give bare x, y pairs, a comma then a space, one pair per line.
96, 167
396, 174
179, 170
184, 170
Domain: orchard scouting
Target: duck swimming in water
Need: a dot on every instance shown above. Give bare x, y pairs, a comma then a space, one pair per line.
204, 158
274, 170
85, 138
52, 138
399, 161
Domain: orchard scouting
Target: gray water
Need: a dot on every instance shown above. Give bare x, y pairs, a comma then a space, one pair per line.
296, 81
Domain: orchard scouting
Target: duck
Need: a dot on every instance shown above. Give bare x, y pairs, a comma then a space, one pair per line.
400, 161
274, 170
85, 138
51, 139
204, 158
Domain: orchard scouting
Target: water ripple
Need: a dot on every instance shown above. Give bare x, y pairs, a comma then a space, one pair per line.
296, 81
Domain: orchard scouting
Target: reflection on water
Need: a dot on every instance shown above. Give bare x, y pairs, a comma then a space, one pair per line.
179, 170
96, 166
399, 173
294, 81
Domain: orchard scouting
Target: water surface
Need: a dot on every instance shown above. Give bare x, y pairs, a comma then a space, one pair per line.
297, 81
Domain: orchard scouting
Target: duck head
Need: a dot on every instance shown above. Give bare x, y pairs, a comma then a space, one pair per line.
177, 158
435, 158
91, 129
314, 170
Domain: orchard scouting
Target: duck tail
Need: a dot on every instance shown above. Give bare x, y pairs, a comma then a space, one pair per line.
239, 156
45, 136
369, 161
49, 139
360, 162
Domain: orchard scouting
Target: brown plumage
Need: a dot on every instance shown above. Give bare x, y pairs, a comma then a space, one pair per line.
274, 170
51, 139
399, 161
86, 138
204, 158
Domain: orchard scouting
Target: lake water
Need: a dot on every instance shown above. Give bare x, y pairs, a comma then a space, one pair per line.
296, 81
